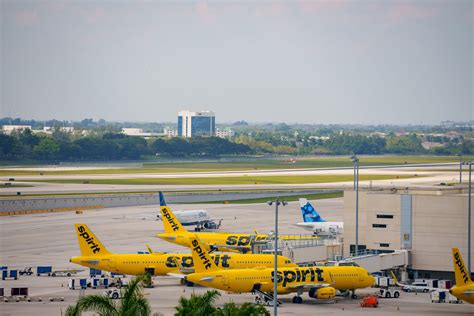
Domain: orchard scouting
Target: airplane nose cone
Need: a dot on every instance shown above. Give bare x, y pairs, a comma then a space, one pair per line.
371, 281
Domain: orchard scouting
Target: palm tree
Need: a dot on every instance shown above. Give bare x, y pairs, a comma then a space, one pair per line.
197, 305
246, 309
203, 305
73, 310
132, 302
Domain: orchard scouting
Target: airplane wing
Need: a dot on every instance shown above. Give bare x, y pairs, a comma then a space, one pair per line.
176, 275
307, 287
229, 248
181, 268
308, 225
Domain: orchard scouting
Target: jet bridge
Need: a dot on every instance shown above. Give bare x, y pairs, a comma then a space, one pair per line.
374, 262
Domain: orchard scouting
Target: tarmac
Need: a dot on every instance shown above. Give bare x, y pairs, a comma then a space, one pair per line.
49, 239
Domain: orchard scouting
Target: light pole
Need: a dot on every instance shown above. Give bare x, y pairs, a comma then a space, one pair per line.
355, 160
460, 168
469, 163
277, 202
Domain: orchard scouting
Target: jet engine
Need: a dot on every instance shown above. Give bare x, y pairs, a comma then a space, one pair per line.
323, 293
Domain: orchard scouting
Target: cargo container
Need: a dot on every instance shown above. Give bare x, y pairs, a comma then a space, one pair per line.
438, 296
94, 272
444, 284
19, 291
83, 283
44, 270
10, 274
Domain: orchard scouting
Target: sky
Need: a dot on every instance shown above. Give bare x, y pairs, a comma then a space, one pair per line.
317, 62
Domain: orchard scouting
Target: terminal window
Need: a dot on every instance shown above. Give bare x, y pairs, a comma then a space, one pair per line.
379, 226
384, 245
384, 216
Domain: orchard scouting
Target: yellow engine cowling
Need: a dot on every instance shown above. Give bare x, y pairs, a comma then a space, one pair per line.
323, 293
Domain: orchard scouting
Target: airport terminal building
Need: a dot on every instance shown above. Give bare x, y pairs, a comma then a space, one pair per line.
427, 223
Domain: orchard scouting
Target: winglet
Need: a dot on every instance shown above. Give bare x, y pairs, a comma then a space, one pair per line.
162, 199
394, 277
201, 258
460, 271
89, 244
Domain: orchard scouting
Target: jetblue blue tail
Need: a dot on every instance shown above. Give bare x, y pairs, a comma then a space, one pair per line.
309, 212
162, 199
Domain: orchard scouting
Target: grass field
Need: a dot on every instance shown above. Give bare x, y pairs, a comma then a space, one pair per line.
321, 196
231, 180
306, 162
278, 191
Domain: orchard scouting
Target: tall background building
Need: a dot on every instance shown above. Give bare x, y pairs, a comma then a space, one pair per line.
192, 124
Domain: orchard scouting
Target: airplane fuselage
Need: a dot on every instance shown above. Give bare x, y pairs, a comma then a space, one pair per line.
234, 241
465, 293
242, 281
223, 241
326, 228
161, 264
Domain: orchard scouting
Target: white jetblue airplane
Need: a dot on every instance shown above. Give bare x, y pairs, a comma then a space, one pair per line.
198, 218
314, 222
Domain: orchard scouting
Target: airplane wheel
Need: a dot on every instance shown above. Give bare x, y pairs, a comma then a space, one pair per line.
189, 283
297, 300
354, 296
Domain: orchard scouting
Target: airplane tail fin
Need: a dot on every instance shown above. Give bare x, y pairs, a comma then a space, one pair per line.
89, 244
170, 222
309, 212
460, 271
201, 258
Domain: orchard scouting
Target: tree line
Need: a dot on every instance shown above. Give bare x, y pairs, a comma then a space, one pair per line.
347, 144
63, 146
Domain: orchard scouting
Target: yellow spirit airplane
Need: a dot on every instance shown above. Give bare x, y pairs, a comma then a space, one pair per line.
95, 255
176, 233
464, 288
320, 282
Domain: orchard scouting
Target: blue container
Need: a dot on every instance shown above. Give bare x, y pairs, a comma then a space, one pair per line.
4, 274
95, 283
442, 295
3, 268
14, 274
106, 282
83, 283
44, 269
94, 272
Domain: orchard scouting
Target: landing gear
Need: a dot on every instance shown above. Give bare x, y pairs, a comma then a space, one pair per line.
297, 299
354, 295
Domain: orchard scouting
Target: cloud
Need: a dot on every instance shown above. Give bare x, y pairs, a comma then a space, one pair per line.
313, 6
26, 18
407, 11
202, 10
